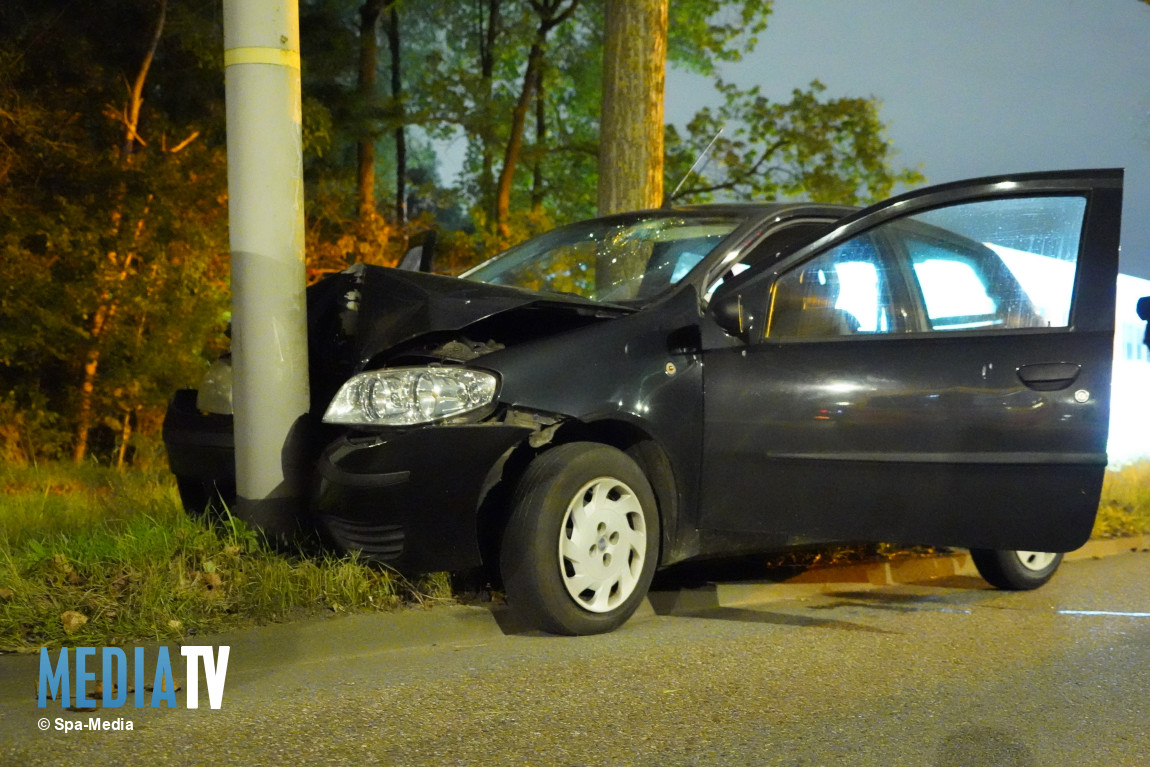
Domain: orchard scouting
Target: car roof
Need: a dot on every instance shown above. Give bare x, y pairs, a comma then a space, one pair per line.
771, 209
749, 211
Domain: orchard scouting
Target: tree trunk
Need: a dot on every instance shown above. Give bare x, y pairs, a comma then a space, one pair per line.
400, 132
369, 14
488, 34
106, 310
84, 412
550, 16
540, 149
125, 435
101, 321
515, 140
631, 123
136, 94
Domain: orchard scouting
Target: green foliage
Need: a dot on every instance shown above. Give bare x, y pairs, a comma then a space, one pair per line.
113, 245
318, 128
93, 556
827, 150
704, 32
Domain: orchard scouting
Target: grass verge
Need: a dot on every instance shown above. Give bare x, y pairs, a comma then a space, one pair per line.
1125, 506
90, 556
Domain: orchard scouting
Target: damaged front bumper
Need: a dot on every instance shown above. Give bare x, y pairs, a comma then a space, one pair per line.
407, 498
411, 499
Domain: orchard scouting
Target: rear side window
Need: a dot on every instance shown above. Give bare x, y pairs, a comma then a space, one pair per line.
962, 291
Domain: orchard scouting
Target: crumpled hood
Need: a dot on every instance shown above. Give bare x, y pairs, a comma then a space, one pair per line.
396, 306
367, 310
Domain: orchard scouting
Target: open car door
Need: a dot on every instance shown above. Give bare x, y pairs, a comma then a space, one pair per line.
936, 370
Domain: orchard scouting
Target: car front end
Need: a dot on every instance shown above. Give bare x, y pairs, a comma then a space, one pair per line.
429, 393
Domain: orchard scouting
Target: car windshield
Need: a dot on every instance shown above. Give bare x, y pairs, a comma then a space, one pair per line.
609, 259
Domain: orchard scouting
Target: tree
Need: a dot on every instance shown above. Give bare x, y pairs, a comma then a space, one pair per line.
114, 224
369, 14
400, 133
829, 150
551, 13
119, 263
634, 73
637, 47
481, 69
111, 139
360, 130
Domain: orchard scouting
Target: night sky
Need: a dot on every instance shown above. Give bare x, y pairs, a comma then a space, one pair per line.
974, 87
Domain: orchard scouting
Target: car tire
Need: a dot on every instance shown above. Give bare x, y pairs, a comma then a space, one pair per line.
582, 542
1015, 570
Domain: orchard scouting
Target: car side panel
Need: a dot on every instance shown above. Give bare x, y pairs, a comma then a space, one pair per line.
919, 441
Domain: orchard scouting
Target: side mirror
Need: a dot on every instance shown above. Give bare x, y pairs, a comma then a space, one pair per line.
727, 309
734, 303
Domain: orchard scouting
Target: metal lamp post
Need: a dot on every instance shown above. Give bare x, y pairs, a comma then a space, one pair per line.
265, 208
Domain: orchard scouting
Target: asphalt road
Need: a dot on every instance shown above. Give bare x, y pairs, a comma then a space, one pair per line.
941, 674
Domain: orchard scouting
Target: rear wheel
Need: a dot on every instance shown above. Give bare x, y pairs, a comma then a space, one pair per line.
1015, 570
582, 543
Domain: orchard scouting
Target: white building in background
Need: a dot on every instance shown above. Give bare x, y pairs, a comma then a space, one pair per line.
1130, 389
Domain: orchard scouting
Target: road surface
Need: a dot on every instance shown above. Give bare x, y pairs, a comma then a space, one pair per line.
944, 673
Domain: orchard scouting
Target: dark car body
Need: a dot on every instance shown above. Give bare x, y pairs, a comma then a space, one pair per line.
763, 414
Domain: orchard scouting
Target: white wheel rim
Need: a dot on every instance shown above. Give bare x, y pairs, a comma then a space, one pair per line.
602, 545
1035, 560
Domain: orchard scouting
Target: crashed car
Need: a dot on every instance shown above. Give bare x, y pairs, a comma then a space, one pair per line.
642, 389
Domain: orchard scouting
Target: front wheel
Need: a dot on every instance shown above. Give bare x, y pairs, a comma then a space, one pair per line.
580, 549
1015, 570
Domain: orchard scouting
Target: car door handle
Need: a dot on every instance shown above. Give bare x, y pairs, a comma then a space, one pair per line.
1049, 376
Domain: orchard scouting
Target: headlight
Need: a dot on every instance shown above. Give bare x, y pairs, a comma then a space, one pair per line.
406, 396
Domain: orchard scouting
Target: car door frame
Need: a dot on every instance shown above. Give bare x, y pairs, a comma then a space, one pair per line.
1091, 315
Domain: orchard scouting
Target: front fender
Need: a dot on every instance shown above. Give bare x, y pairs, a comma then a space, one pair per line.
409, 499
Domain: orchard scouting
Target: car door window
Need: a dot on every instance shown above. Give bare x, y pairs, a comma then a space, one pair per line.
995, 265
844, 292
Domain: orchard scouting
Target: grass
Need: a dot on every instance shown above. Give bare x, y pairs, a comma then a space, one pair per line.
1125, 506
91, 556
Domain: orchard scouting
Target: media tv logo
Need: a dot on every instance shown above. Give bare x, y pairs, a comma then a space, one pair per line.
59, 681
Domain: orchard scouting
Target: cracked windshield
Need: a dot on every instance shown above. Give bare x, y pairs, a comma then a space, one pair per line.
609, 261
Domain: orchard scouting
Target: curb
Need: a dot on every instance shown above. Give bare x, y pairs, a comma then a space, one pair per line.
855, 577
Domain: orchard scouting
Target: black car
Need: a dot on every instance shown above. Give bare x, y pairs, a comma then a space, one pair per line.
638, 390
